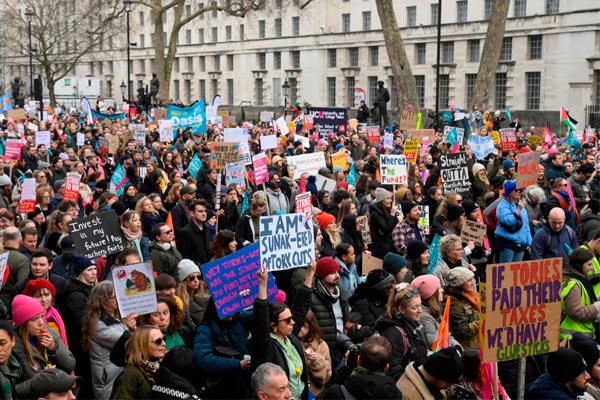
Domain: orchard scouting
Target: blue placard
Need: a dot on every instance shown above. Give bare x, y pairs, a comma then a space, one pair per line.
229, 276
190, 117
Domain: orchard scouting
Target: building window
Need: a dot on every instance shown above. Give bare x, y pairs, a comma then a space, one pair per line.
176, 89
444, 91
434, 14
372, 80
230, 62
473, 50
176, 65
470, 85
533, 91
214, 83
447, 52
350, 91
597, 76
374, 56
110, 89
278, 28
332, 58
420, 86
293, 89
215, 34
187, 91
353, 56
202, 60
345, 22
411, 16
190, 64
295, 55
461, 11
262, 61
535, 47
277, 60
261, 30
420, 53
331, 92
217, 63
201, 7
188, 36
366, 17
506, 49
296, 26
228, 36
552, 6
142, 41
242, 32
520, 8
230, 91
100, 68
201, 36
202, 84
141, 18
188, 10
487, 12
500, 94
214, 12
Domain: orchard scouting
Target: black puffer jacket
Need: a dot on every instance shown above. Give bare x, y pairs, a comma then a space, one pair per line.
382, 226
363, 385
322, 305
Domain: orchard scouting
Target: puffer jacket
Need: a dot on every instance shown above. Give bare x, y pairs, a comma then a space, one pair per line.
165, 261
464, 322
382, 226
104, 373
322, 306
506, 215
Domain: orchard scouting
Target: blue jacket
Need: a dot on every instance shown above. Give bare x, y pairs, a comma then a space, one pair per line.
544, 248
546, 387
349, 278
506, 214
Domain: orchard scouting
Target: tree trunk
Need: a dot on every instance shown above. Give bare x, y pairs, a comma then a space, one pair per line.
50, 82
159, 53
403, 77
486, 76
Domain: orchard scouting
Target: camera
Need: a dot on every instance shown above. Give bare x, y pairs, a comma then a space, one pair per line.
344, 344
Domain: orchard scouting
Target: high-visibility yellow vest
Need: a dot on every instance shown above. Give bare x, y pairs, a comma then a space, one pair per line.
568, 326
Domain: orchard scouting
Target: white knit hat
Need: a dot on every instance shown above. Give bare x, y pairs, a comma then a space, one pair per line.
185, 268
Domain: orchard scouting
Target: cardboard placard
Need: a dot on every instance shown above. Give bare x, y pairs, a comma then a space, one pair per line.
508, 139
393, 169
340, 159
408, 119
370, 263
453, 170
28, 196
363, 223
523, 309
410, 149
98, 235
134, 289
473, 231
222, 153
527, 169
72, 182
373, 134
304, 204
113, 143
309, 162
17, 114
420, 133
286, 241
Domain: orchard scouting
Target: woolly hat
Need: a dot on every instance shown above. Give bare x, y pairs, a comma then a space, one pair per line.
407, 206
326, 266
324, 219
426, 284
36, 284
589, 349
509, 186
381, 194
444, 365
400, 193
337, 169
524, 149
457, 276
506, 164
469, 206
25, 308
393, 263
414, 249
477, 167
564, 365
453, 212
36, 211
187, 189
343, 184
209, 214
378, 280
497, 181
311, 184
275, 159
185, 268
339, 146
4, 180
81, 263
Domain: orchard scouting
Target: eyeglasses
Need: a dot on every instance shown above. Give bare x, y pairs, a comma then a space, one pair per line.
287, 320
167, 232
459, 201
192, 278
159, 341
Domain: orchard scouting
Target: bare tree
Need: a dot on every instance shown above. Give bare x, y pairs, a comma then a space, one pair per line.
486, 76
65, 32
403, 77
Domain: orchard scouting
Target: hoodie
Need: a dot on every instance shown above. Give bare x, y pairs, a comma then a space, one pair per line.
546, 387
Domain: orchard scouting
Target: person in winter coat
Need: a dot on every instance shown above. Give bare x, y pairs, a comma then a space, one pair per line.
535, 199
331, 236
43, 291
351, 235
512, 231
148, 214
464, 306
588, 348
247, 228
417, 257
370, 298
549, 242
278, 202
451, 252
174, 379
400, 325
345, 256
566, 377
431, 295
382, 223
10, 366
165, 257
316, 352
192, 290
559, 197
590, 221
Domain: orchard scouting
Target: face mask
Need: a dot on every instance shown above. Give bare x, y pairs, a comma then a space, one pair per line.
166, 246
275, 185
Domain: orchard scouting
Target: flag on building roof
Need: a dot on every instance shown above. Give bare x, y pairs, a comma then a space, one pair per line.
566, 119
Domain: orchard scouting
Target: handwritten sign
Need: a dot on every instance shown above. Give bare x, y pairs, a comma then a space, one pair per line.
373, 135
286, 241
481, 146
339, 159
72, 182
42, 137
310, 162
28, 196
495, 136
393, 169
534, 140
363, 224
233, 275
222, 153
239, 136
134, 289
235, 174
268, 142
113, 143
453, 169
420, 133
266, 116
410, 149
304, 204
261, 171
508, 139
473, 231
527, 169
98, 235
370, 263
15, 114
522, 309
388, 141
80, 138
139, 133
408, 119
165, 130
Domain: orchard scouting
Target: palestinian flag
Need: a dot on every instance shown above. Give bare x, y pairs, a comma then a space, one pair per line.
566, 119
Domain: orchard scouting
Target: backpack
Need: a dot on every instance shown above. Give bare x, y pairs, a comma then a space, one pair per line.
569, 231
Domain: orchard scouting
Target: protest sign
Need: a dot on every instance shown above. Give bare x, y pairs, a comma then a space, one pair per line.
80, 139
134, 289
261, 171
13, 149
434, 253
240, 136
340, 159
222, 153
370, 263
508, 139
495, 136
281, 124
266, 116
420, 133
291, 127
579, 136
190, 117
388, 141
3, 261
103, 146
473, 231
449, 134
304, 204
523, 309
286, 241
393, 169
72, 182
453, 170
481, 146
408, 119
308, 122
113, 143
28, 196
534, 140
310, 162
329, 119
590, 135
233, 283
15, 114
98, 235
326, 184
373, 135
235, 174
353, 122
410, 149
424, 145
363, 224
139, 133
527, 169
268, 142
32, 127
304, 140
424, 218
165, 130
42, 137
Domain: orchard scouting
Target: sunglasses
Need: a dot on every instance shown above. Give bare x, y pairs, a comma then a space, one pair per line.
193, 278
159, 341
167, 232
287, 320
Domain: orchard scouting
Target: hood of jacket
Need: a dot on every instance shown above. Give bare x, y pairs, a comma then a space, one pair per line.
371, 386
588, 216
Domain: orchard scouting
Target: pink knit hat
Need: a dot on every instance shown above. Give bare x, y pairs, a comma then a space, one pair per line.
426, 284
25, 308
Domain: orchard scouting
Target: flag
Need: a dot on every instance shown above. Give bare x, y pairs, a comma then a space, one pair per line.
548, 138
573, 141
566, 119
5, 102
169, 221
302, 188
442, 339
245, 204
87, 109
508, 114
352, 176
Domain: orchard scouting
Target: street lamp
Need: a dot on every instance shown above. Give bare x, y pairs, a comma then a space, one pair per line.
437, 65
123, 88
286, 91
29, 15
127, 4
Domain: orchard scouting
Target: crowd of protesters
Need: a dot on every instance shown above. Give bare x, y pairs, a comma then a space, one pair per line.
62, 335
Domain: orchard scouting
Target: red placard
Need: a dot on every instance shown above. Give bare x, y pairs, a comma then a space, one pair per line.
309, 122
508, 139
373, 134
72, 186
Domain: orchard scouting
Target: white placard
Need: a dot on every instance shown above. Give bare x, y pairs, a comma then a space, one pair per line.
134, 289
268, 142
310, 163
42, 137
80, 138
286, 241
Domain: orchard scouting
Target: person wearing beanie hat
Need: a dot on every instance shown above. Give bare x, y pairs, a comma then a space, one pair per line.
409, 228
86, 267
187, 267
454, 212
331, 236
382, 221
427, 285
381, 194
370, 297
43, 291
311, 184
566, 376
402, 193
469, 207
513, 234
395, 265
477, 167
417, 257
507, 164
464, 306
192, 289
275, 160
327, 266
590, 350
480, 185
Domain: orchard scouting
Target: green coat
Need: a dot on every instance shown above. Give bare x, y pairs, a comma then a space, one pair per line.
131, 384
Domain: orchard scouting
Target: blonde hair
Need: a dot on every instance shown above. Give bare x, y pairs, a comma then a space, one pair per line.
136, 348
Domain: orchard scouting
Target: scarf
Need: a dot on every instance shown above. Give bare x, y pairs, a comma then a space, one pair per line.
12, 370
291, 182
294, 362
563, 200
472, 297
130, 236
149, 368
53, 315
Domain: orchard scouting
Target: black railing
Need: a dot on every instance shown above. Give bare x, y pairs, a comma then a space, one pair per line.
592, 116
